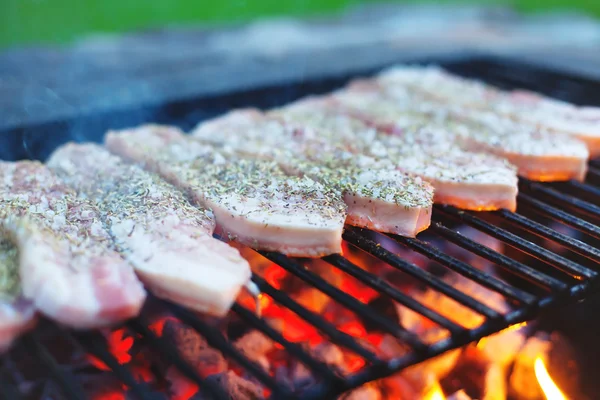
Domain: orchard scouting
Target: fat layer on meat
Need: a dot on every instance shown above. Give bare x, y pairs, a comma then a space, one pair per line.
378, 196
537, 153
523, 106
67, 263
167, 240
16, 314
254, 201
467, 180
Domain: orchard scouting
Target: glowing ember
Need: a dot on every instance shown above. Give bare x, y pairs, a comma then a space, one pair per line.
434, 393
157, 326
482, 342
119, 347
551, 391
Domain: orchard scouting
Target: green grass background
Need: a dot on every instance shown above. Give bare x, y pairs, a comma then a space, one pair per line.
60, 21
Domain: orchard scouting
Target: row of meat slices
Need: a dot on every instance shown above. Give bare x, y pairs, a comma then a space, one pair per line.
141, 211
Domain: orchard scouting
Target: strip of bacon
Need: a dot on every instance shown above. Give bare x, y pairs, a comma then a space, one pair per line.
467, 180
378, 196
538, 154
16, 314
582, 123
167, 240
67, 264
253, 201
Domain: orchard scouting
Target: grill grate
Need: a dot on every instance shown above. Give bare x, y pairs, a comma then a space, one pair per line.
532, 279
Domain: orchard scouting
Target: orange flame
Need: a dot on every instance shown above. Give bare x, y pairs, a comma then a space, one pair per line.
551, 391
482, 342
434, 393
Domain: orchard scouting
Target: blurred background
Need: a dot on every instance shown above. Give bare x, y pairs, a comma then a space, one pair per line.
25, 22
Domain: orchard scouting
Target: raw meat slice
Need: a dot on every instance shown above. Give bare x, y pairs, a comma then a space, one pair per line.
523, 106
474, 181
67, 264
538, 154
167, 240
16, 314
254, 202
377, 195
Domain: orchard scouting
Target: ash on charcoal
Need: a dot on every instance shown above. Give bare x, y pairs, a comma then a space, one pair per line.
235, 387
468, 374
255, 345
194, 349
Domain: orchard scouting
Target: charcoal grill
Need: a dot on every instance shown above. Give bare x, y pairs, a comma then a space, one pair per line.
534, 279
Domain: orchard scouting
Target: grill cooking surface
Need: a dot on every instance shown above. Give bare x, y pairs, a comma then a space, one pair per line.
533, 279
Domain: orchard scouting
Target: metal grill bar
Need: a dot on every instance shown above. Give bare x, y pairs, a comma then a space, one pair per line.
97, 345
338, 337
346, 300
559, 215
575, 270
540, 230
508, 263
593, 175
466, 270
317, 367
583, 188
376, 283
8, 391
352, 236
590, 209
172, 355
215, 339
70, 386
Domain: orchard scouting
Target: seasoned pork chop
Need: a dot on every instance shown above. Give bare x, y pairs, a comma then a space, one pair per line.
254, 202
475, 181
67, 263
537, 153
378, 196
17, 315
167, 240
524, 107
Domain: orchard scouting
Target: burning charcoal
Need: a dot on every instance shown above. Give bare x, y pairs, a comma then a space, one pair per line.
384, 306
479, 377
523, 383
422, 383
311, 298
390, 347
187, 340
460, 395
300, 376
370, 391
194, 350
330, 354
236, 328
236, 388
438, 366
398, 387
255, 345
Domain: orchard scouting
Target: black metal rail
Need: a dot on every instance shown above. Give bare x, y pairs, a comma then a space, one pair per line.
534, 279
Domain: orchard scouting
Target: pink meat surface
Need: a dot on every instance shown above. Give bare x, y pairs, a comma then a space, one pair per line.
253, 201
378, 196
16, 314
537, 153
475, 181
67, 264
523, 106
167, 240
